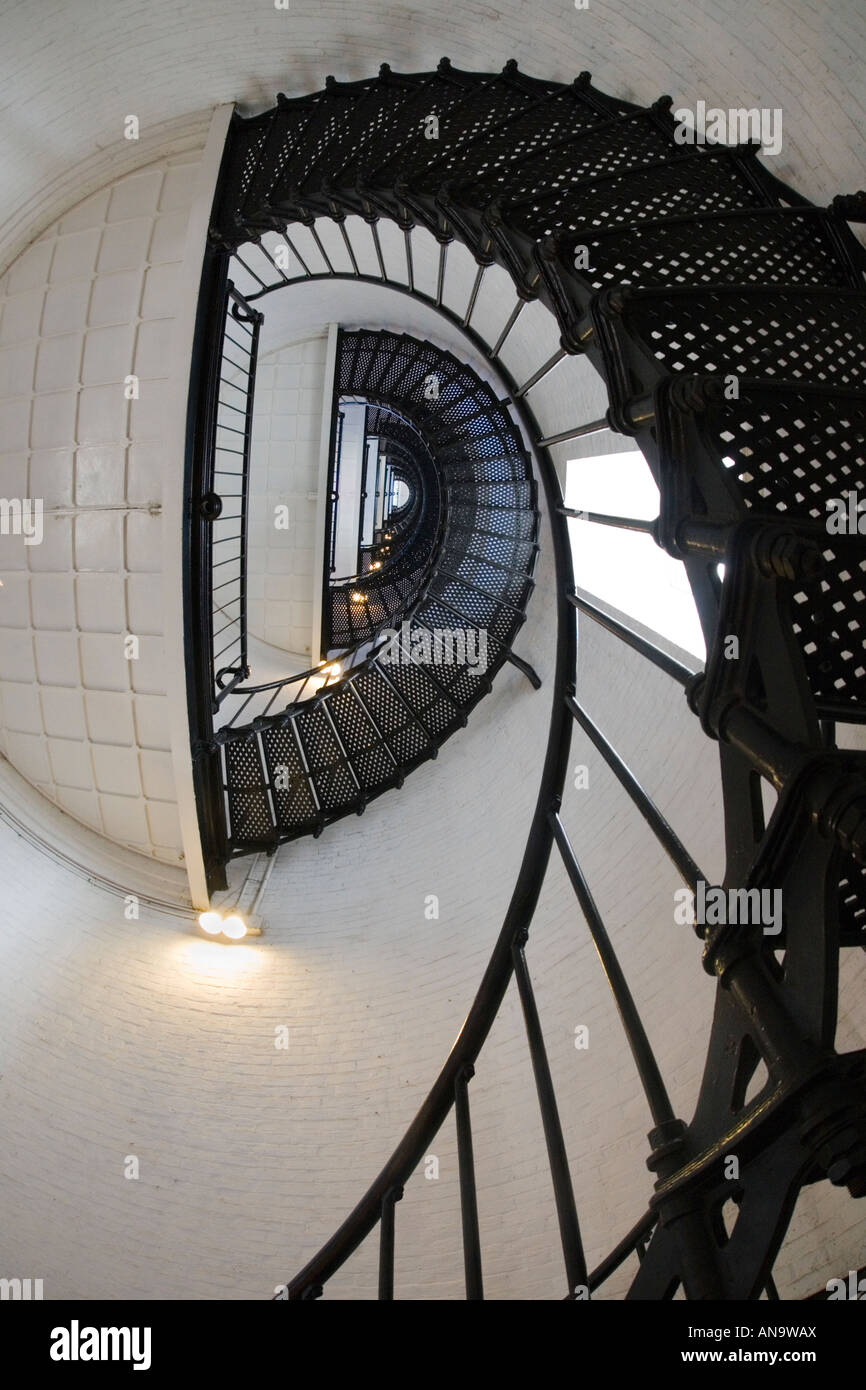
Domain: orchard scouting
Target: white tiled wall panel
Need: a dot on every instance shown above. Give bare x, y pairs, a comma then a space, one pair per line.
89, 304
284, 472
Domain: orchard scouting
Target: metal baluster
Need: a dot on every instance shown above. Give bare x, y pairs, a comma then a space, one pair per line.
543, 370
440, 278
663, 832
348, 245
474, 295
386, 1243
378, 245
624, 523
563, 1192
594, 427
325, 257
668, 664
468, 1195
512, 319
648, 1071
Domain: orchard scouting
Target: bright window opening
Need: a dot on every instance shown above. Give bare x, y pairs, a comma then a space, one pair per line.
626, 568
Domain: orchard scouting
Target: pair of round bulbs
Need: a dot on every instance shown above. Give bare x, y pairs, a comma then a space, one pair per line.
233, 926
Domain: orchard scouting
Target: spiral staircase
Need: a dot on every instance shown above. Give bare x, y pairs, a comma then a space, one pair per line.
398, 556
724, 313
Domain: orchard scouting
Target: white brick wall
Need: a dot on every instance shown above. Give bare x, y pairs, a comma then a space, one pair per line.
791, 54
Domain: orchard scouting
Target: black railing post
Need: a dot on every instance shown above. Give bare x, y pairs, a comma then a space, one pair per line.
386, 1242
197, 561
651, 1079
468, 1195
255, 318
335, 485
563, 1191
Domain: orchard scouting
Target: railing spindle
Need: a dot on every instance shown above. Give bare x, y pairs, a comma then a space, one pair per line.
563, 1192
650, 1076
386, 1243
468, 1195
663, 832
668, 664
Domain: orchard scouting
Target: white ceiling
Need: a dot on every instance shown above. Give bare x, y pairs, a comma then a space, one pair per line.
70, 73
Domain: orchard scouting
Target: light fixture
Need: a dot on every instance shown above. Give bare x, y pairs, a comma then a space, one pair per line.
376, 565
333, 669
232, 927
356, 596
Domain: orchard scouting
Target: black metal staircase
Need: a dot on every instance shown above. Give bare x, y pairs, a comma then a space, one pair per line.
299, 753
725, 316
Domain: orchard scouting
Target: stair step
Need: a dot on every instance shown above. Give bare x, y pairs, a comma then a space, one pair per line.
294, 802
810, 336
484, 108
561, 111
710, 180
502, 496
329, 772
405, 738
249, 809
619, 145
470, 608
759, 246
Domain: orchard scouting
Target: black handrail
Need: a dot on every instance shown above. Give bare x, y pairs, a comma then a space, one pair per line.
233, 416
438, 1103
335, 485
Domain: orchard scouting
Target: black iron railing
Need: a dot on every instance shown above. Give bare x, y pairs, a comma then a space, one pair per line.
695, 246
335, 490
352, 727
225, 501
222, 386
394, 567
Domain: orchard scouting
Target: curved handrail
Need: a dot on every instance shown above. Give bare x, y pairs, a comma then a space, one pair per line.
370, 644
485, 1006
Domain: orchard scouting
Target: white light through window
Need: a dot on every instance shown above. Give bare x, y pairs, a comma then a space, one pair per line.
626, 568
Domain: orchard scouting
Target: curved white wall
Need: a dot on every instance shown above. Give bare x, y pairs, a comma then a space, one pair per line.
91, 303
284, 472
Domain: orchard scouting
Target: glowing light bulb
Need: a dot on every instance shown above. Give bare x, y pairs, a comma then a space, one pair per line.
234, 927
376, 565
333, 669
356, 596
211, 922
